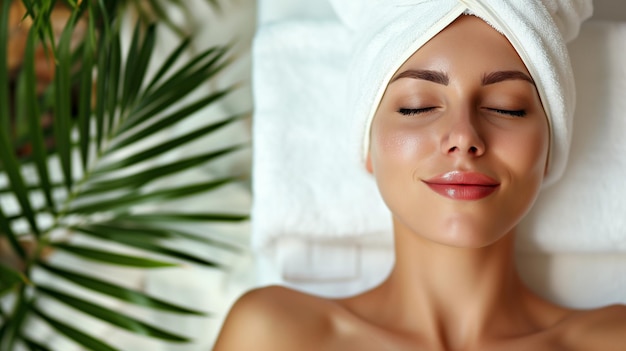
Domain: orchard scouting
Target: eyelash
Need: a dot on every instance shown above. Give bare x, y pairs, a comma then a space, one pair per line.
513, 113
416, 111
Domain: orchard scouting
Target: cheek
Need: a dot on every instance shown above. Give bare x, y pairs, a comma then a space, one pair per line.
398, 142
536, 154
525, 151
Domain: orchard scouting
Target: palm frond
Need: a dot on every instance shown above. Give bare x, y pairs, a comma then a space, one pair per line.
85, 196
116, 318
24, 103
116, 291
72, 333
9, 279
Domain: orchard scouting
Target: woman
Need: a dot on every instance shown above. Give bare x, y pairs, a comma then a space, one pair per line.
460, 144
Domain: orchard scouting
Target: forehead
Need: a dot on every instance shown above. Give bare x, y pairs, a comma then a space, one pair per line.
468, 43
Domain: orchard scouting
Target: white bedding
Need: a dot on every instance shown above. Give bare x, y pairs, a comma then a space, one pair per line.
572, 247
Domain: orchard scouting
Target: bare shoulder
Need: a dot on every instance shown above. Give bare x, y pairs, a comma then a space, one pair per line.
598, 329
275, 318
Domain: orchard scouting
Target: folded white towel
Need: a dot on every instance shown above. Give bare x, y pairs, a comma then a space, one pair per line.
301, 184
304, 196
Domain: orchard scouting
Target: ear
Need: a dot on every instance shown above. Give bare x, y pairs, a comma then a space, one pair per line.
368, 163
547, 165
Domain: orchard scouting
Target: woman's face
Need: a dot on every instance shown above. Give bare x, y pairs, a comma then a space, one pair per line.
460, 140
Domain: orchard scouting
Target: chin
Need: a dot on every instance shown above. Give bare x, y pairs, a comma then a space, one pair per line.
470, 235
460, 231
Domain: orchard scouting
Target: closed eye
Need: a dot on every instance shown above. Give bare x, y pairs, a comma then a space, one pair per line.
415, 111
514, 113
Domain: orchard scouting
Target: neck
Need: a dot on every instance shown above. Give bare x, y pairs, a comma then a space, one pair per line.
455, 297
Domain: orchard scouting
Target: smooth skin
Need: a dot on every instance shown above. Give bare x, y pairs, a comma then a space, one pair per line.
463, 102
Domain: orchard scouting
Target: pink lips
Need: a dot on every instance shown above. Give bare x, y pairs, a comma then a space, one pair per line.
458, 185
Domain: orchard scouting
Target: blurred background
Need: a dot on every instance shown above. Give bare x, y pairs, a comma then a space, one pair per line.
609, 10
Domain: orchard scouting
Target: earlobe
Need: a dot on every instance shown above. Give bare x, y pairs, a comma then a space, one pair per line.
368, 164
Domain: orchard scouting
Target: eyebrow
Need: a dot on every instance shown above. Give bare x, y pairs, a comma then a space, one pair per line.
500, 76
432, 76
442, 78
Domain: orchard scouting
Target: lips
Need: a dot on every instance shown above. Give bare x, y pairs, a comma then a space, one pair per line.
459, 185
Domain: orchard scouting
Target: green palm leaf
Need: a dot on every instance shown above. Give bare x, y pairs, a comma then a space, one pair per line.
141, 240
26, 96
110, 116
7, 231
86, 83
122, 203
78, 336
63, 102
105, 256
144, 177
9, 279
11, 329
116, 291
115, 318
134, 224
33, 345
167, 145
185, 217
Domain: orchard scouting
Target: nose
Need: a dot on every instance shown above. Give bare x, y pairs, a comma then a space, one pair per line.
463, 137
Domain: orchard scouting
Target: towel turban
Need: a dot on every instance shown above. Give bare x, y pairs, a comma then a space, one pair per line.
387, 32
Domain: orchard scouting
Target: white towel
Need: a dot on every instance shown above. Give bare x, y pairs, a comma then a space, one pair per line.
303, 200
300, 179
